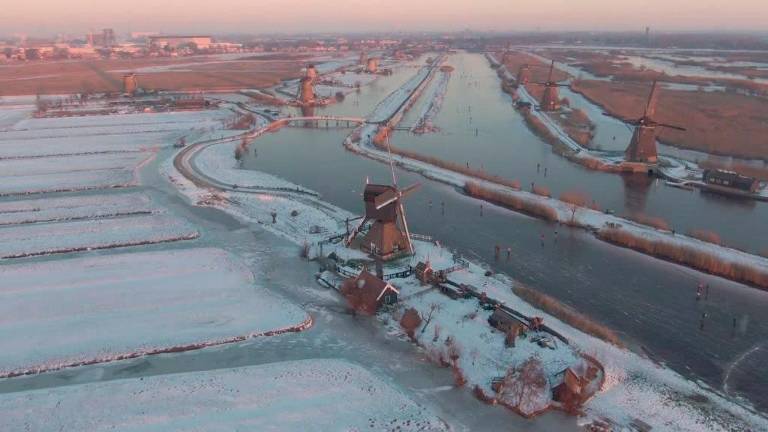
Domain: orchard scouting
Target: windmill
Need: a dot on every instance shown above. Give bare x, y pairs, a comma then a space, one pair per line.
130, 84
642, 146
388, 236
306, 93
550, 101
523, 75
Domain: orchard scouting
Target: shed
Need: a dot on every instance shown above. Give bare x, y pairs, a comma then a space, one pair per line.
570, 391
366, 293
730, 179
424, 272
503, 320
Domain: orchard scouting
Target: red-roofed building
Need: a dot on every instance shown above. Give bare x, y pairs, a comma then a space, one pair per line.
366, 293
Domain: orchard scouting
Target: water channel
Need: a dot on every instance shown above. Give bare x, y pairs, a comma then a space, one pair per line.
652, 303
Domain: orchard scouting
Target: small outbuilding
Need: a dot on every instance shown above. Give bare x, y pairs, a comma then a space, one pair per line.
504, 321
730, 179
366, 293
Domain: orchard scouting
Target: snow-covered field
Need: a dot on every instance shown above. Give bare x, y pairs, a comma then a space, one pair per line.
125, 122
67, 181
100, 308
307, 395
74, 208
60, 164
50, 238
67, 173
81, 145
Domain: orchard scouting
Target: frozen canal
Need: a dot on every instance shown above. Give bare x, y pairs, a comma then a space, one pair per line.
652, 303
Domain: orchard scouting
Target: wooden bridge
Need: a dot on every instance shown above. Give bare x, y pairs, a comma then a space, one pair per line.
319, 121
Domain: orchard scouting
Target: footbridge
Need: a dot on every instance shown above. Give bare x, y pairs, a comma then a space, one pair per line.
319, 121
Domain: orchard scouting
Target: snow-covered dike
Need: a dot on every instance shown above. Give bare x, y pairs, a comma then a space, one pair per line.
18, 241
94, 309
307, 395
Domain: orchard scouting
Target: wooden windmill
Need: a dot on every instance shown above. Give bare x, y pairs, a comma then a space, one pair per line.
306, 91
550, 101
388, 236
642, 146
523, 75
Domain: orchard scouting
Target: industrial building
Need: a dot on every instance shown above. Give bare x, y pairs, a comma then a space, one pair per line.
176, 42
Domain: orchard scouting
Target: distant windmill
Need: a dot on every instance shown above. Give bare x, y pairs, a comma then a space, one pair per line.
523, 75
550, 101
130, 84
306, 91
388, 237
642, 147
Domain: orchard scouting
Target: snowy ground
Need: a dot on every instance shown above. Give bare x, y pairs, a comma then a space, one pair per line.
73, 145
316, 395
93, 152
100, 308
299, 217
50, 238
74, 208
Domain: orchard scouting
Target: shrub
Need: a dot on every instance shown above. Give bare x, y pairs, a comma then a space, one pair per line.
513, 202
651, 221
482, 396
410, 321
566, 314
698, 258
542, 191
450, 166
576, 198
705, 235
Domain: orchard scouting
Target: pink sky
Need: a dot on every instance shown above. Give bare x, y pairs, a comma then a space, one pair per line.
258, 16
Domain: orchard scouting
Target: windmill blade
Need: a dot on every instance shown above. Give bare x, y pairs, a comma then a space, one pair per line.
404, 224
551, 71
671, 126
391, 163
409, 190
385, 199
622, 119
650, 107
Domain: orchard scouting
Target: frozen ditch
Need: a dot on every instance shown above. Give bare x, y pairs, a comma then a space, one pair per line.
329, 395
100, 308
51, 238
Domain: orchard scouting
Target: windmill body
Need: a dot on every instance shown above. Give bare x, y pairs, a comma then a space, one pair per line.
550, 100
523, 75
387, 237
642, 146
306, 94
